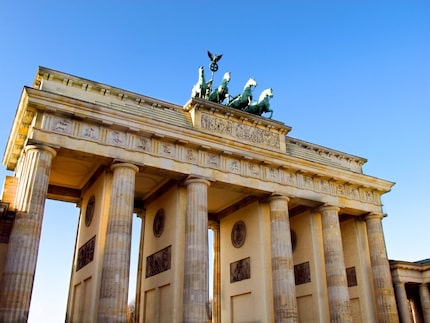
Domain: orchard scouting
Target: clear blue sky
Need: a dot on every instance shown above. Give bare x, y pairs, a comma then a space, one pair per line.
349, 75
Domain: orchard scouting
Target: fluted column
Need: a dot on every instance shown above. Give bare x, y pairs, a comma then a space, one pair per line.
402, 302
425, 302
337, 286
385, 300
216, 297
284, 289
20, 264
116, 260
196, 273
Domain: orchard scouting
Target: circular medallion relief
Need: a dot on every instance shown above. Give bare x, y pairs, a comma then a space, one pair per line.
89, 212
158, 225
238, 234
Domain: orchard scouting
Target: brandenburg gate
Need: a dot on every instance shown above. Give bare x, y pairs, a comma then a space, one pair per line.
297, 227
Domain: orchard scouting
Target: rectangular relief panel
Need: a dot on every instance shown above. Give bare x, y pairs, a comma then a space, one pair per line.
158, 262
240, 270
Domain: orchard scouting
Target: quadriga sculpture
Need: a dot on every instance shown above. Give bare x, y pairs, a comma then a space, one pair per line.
221, 92
201, 88
262, 105
243, 100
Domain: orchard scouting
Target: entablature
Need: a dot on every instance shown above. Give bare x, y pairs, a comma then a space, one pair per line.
209, 140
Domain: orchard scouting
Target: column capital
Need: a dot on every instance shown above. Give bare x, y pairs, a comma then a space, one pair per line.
277, 196
126, 165
48, 149
326, 207
370, 216
193, 180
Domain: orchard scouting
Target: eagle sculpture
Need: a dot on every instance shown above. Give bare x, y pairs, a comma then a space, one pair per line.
214, 59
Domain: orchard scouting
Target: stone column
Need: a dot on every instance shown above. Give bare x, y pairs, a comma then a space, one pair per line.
20, 264
284, 288
337, 286
385, 300
402, 303
425, 302
116, 260
140, 268
196, 272
216, 297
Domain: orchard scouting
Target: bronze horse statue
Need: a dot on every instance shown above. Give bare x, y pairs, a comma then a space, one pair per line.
202, 88
221, 92
243, 100
262, 105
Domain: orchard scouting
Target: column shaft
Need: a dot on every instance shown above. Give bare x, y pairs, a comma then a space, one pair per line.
196, 273
382, 281
116, 260
425, 302
337, 287
20, 264
140, 268
402, 303
284, 289
216, 297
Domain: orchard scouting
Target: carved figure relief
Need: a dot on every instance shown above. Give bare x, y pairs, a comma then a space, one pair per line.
116, 138
253, 170
86, 253
234, 166
62, 125
212, 160
143, 143
302, 273
167, 149
90, 132
158, 262
351, 276
190, 155
240, 270
240, 131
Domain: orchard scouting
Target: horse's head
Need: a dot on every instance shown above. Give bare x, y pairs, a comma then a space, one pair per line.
227, 76
251, 82
267, 93
201, 70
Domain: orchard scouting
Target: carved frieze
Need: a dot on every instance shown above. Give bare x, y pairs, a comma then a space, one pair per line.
91, 132
212, 160
167, 149
116, 138
240, 131
62, 125
189, 155
233, 165
143, 144
206, 156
